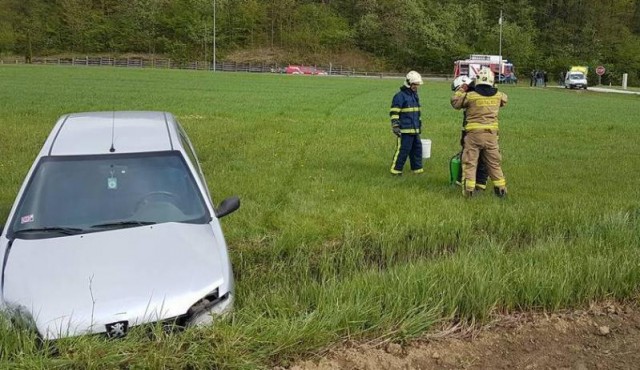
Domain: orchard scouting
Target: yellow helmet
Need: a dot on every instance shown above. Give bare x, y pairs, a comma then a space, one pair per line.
484, 77
413, 77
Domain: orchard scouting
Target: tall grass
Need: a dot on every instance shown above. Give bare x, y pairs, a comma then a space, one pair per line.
327, 246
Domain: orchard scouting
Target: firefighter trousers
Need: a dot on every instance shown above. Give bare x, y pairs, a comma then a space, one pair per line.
481, 171
409, 146
481, 175
482, 144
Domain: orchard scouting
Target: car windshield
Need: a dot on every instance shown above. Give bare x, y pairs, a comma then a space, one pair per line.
76, 194
576, 76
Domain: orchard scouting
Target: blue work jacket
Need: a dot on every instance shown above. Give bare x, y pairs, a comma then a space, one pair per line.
405, 111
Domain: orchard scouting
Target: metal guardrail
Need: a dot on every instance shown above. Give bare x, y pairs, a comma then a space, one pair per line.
223, 66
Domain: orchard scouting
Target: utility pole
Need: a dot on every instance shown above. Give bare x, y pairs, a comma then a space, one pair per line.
206, 34
214, 35
500, 50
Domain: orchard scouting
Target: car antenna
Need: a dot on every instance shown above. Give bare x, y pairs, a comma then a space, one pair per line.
113, 125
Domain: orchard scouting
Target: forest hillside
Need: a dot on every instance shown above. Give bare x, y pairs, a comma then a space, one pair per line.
391, 35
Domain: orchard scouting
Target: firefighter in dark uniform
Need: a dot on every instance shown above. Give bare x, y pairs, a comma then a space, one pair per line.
482, 106
462, 85
406, 125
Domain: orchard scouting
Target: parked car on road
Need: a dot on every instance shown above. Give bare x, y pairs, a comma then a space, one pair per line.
575, 80
508, 79
114, 227
304, 70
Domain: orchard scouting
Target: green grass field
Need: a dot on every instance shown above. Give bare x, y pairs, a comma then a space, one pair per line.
327, 245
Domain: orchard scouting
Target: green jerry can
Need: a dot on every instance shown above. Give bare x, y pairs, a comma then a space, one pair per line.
455, 168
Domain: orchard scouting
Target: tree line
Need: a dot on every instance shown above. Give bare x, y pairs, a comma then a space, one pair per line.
426, 35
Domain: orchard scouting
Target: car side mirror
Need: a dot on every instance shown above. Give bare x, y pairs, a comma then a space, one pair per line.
227, 206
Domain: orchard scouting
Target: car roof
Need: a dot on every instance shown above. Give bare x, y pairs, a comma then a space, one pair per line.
112, 132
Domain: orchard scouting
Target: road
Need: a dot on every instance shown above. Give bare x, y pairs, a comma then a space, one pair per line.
604, 89
608, 90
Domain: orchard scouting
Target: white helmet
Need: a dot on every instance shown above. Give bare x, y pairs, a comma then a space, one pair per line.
459, 81
484, 77
413, 77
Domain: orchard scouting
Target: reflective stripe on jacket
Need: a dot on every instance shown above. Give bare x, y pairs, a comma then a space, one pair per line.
482, 110
405, 111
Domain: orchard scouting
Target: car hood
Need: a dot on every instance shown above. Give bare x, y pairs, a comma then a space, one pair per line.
77, 284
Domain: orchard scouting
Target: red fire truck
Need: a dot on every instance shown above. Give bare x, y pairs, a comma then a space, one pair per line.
503, 70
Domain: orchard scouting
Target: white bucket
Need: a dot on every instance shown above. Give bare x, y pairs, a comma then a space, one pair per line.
426, 148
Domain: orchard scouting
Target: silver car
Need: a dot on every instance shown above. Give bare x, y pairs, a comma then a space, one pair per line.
575, 80
114, 227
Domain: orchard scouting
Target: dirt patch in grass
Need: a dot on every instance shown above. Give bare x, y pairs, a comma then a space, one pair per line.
606, 336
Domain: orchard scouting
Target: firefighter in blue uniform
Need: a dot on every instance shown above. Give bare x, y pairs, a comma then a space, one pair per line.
406, 125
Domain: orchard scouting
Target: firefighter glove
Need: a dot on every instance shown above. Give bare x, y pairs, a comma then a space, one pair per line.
396, 130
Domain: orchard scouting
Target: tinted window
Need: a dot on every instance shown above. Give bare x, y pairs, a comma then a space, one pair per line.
85, 191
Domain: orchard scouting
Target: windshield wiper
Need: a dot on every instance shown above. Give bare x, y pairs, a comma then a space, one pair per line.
54, 229
129, 223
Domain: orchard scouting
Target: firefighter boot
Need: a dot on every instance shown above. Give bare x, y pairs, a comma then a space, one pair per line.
468, 193
500, 192
468, 188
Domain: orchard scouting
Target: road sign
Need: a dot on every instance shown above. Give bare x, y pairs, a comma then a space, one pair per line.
600, 70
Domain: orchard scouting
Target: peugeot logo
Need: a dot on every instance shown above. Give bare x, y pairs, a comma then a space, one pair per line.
117, 329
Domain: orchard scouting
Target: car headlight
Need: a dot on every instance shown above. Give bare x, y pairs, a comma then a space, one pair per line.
208, 308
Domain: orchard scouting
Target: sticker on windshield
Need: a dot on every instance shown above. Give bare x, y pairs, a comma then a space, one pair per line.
112, 183
26, 219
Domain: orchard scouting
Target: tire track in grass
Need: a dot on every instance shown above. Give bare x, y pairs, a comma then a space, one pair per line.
305, 146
